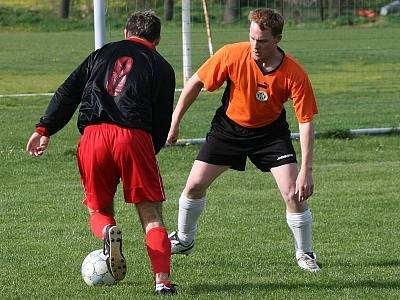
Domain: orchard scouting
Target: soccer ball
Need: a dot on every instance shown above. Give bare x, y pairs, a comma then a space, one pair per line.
94, 269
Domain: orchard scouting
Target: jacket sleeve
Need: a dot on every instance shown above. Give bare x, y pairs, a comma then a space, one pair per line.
67, 98
162, 109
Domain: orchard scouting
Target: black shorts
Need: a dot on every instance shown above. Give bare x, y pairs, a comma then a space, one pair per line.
271, 148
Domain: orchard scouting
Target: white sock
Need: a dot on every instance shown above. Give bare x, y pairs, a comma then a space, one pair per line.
301, 226
189, 213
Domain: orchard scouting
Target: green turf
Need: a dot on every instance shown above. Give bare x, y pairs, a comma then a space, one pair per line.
45, 235
44, 231
354, 71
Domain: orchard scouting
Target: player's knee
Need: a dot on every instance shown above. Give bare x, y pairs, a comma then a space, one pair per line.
290, 197
195, 190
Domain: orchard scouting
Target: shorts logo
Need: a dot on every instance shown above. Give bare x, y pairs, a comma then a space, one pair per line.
262, 96
284, 156
116, 81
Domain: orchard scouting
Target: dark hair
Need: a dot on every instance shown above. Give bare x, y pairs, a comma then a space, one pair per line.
267, 18
144, 24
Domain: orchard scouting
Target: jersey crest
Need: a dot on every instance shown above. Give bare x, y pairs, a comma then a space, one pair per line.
262, 96
116, 81
262, 92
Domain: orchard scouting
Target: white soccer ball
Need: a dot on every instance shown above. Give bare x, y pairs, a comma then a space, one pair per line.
94, 269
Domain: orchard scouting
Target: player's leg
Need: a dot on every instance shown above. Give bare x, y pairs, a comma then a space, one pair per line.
201, 176
99, 186
191, 204
142, 184
215, 157
298, 215
157, 244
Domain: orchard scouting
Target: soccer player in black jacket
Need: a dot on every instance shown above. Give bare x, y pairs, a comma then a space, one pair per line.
125, 92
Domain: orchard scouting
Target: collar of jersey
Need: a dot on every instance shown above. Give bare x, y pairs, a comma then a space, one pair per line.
141, 41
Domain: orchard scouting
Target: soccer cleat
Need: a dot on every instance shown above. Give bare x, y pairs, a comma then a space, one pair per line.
308, 261
112, 249
177, 247
164, 289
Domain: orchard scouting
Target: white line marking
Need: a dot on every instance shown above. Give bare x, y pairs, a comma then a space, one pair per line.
46, 94
26, 95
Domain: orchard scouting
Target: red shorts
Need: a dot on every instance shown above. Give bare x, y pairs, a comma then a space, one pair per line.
108, 153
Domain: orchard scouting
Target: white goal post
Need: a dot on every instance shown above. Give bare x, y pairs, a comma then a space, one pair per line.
186, 41
99, 16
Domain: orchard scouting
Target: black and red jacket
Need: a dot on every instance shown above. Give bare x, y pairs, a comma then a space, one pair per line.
127, 83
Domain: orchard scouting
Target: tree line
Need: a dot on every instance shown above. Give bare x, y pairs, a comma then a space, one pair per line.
231, 8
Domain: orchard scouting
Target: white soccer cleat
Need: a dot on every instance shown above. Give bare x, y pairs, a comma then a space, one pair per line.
308, 261
177, 247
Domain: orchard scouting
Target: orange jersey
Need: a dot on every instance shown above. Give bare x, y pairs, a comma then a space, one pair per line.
256, 99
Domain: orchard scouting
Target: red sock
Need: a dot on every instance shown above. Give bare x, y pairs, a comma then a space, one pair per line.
159, 250
98, 220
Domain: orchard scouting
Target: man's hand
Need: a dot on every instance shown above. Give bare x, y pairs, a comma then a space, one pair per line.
304, 185
37, 144
173, 135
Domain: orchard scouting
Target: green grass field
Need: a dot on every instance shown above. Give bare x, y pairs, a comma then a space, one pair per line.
244, 249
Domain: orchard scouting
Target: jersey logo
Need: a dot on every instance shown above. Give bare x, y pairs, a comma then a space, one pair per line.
285, 156
116, 81
262, 96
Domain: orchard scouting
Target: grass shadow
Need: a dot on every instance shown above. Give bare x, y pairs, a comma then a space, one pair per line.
386, 263
270, 287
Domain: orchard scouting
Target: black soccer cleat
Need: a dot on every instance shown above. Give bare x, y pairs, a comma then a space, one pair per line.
165, 290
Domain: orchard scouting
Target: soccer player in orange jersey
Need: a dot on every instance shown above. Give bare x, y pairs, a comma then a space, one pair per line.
251, 123
125, 93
